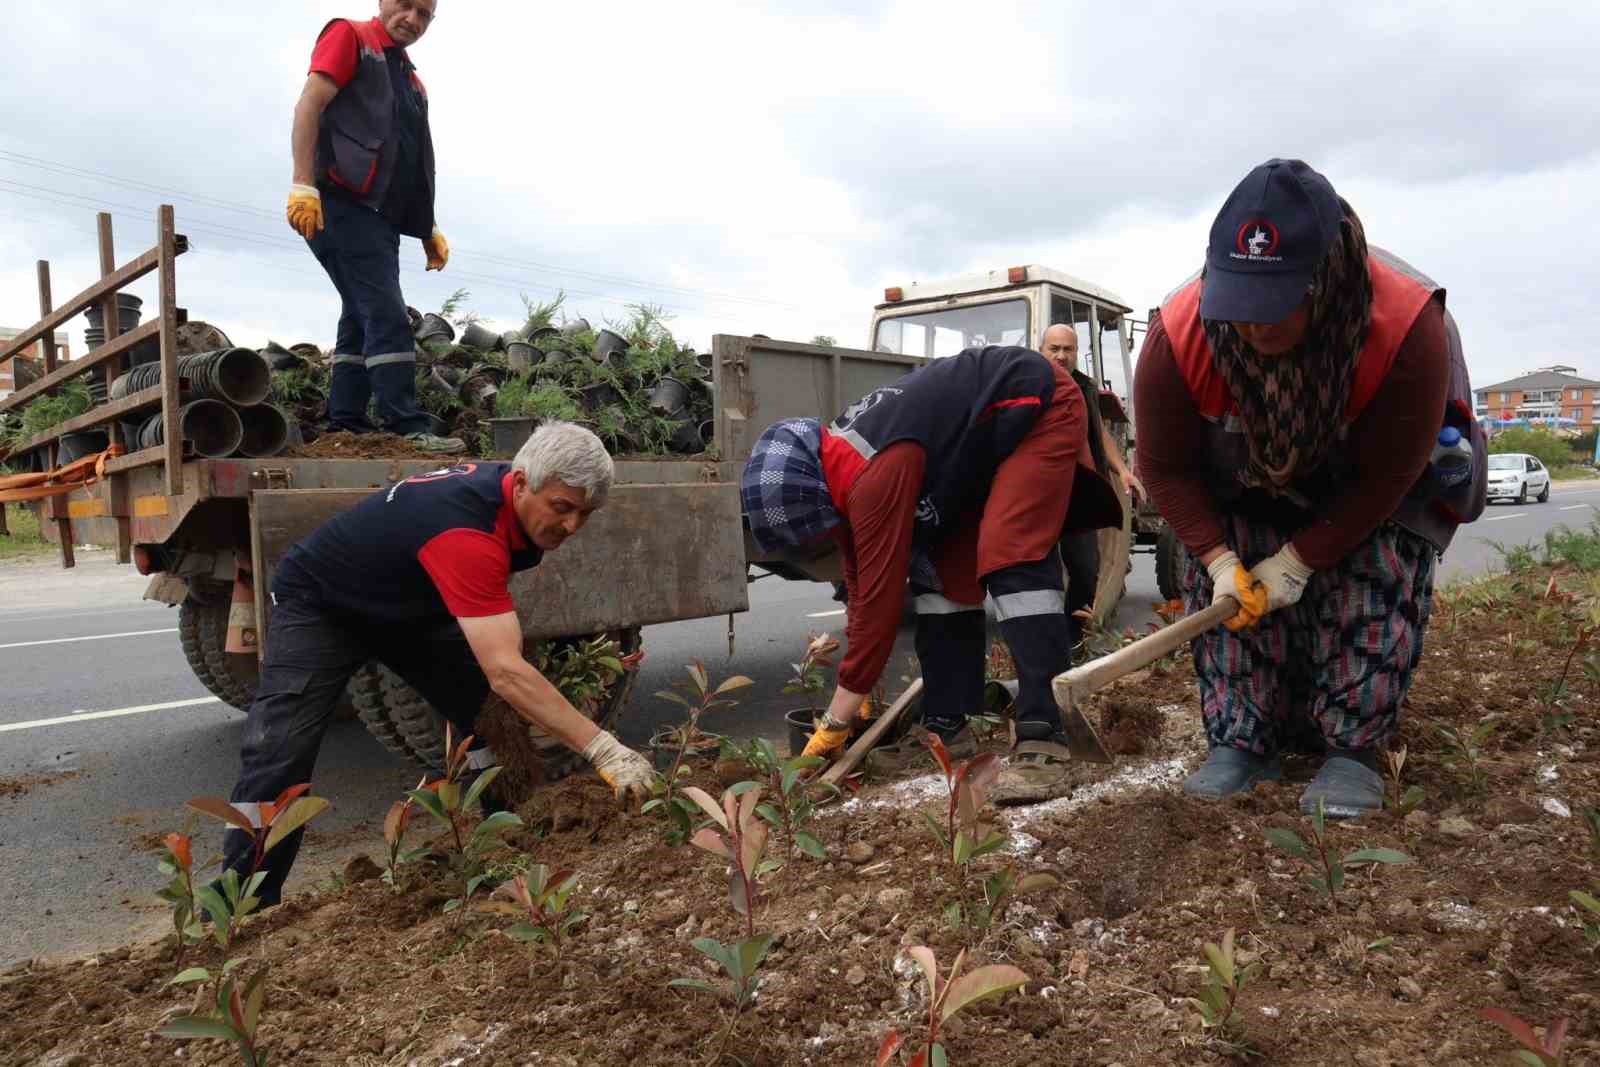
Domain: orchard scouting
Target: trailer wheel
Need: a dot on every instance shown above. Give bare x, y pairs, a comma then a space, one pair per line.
189, 613
1169, 565
406, 724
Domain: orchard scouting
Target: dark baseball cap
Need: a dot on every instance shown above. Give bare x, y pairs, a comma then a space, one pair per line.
1267, 242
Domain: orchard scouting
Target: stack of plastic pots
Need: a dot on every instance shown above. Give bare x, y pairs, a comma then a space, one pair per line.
227, 410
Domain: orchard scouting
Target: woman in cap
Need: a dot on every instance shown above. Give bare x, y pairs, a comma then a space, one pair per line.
1287, 403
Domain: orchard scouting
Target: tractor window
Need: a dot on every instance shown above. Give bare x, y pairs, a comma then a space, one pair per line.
935, 334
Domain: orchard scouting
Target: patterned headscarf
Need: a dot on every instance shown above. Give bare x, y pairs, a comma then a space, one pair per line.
783, 493
1292, 406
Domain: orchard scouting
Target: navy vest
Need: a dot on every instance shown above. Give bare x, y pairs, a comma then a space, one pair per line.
358, 141
362, 563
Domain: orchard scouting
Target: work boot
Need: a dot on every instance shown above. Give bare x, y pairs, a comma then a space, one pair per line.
1230, 770
444, 446
912, 753
1347, 785
1038, 769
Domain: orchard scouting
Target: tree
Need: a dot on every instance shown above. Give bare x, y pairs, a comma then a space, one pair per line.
824, 340
1553, 451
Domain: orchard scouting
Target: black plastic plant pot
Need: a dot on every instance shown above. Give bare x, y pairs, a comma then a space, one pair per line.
476, 335
239, 376
801, 723
664, 749
522, 356
145, 352
668, 396
77, 445
480, 390
609, 347
446, 378
414, 317
210, 425
555, 356
132, 381
686, 438
93, 337
575, 327
543, 335
704, 360
266, 431
280, 358
128, 314
435, 328
708, 432
598, 395
510, 434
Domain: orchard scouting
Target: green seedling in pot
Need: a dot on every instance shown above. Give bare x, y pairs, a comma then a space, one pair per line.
1320, 853
946, 997
809, 677
676, 810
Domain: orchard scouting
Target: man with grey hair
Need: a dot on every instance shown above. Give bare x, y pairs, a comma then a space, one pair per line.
415, 577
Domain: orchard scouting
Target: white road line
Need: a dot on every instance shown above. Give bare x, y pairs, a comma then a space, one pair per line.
94, 637
826, 614
6, 618
1497, 518
83, 716
1575, 507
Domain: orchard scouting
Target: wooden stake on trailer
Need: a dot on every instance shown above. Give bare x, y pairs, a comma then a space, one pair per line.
57, 508
167, 252
115, 492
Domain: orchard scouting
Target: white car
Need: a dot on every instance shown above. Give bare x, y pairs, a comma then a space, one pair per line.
1516, 476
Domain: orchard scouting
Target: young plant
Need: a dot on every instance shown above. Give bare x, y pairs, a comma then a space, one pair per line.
540, 899
451, 805
1320, 853
1405, 802
1464, 751
809, 676
679, 813
177, 863
395, 825
966, 837
945, 998
794, 800
738, 835
1535, 1051
1552, 696
235, 1017
1591, 921
231, 897
1219, 997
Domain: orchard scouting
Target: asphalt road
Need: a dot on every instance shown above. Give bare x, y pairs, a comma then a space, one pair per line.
104, 733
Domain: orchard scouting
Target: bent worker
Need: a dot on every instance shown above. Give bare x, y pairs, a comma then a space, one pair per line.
415, 577
961, 475
1080, 550
363, 178
1288, 401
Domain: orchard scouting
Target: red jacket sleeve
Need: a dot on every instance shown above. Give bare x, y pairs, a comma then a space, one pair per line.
470, 569
1168, 435
336, 53
880, 510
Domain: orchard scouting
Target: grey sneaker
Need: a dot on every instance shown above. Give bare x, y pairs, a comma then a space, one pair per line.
427, 442
1231, 770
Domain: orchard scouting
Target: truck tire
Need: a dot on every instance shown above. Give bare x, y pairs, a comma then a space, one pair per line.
189, 637
203, 633
1169, 565
406, 724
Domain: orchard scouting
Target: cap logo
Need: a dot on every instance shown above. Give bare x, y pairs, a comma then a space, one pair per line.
1257, 242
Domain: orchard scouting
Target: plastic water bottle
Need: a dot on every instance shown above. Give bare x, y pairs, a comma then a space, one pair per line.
1452, 457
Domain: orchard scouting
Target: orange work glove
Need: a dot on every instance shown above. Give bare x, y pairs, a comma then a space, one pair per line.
305, 210
828, 739
1229, 577
438, 250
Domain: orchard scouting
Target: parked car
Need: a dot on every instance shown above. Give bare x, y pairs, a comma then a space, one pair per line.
1517, 476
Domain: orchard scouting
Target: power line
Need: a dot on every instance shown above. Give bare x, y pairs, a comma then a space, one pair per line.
22, 159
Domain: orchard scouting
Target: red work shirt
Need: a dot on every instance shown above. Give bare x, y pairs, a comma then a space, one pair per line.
337, 51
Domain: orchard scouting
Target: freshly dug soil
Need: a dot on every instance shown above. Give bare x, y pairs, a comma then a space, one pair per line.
1393, 973
345, 445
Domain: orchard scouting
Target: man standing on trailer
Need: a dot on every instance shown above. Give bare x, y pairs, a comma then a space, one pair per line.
363, 178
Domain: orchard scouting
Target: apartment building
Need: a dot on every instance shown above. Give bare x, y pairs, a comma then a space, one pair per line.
12, 375
1547, 393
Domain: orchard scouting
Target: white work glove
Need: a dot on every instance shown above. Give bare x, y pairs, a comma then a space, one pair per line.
627, 773
1285, 575
1229, 577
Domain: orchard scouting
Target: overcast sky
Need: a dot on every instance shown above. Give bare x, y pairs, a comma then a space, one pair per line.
772, 166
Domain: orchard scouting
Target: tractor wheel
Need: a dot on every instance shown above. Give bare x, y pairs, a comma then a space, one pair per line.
406, 724
203, 633
1169, 565
189, 613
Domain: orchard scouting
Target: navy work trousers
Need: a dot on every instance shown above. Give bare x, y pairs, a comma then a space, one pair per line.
374, 353
311, 655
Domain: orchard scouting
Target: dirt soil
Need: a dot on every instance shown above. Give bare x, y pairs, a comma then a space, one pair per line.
344, 445
1394, 974
27, 783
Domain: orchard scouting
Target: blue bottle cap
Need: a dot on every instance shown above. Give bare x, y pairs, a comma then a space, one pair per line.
1449, 436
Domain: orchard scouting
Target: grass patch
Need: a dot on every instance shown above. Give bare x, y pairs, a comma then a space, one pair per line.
24, 539
1573, 472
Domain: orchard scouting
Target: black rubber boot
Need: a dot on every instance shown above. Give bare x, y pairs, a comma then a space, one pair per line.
1231, 770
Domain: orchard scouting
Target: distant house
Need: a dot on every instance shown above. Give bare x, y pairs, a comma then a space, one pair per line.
1549, 393
28, 364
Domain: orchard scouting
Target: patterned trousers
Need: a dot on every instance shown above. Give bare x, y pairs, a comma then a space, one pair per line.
1335, 665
